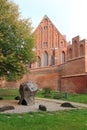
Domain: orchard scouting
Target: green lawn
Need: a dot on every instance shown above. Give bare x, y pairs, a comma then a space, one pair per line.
61, 120
9, 93
12, 93
81, 98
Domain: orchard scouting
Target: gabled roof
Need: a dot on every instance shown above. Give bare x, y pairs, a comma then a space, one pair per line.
46, 17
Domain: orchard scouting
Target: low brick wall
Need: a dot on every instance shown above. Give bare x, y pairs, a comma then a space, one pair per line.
74, 84
44, 77
55, 78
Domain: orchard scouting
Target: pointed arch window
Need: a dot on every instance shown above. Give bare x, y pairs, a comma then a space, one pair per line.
52, 60
63, 57
70, 53
45, 62
39, 62
75, 49
81, 50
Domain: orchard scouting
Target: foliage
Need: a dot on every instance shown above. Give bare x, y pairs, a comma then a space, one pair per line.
60, 120
16, 42
47, 95
58, 96
46, 90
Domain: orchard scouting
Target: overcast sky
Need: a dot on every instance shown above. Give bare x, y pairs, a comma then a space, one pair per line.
69, 16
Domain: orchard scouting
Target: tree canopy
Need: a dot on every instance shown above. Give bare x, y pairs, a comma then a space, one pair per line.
16, 41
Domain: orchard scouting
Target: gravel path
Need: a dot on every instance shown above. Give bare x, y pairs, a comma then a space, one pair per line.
51, 106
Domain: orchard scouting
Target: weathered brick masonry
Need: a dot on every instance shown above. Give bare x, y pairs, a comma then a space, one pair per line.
44, 77
73, 76
61, 65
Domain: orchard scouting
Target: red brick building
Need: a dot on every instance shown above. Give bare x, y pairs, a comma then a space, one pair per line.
60, 65
50, 43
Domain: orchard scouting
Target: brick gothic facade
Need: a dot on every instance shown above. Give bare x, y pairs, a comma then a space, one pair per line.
60, 65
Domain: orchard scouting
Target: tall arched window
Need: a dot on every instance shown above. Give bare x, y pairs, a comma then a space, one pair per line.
75, 49
45, 62
63, 57
52, 60
38, 62
70, 53
81, 50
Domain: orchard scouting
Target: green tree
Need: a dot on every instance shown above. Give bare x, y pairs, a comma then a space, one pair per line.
16, 42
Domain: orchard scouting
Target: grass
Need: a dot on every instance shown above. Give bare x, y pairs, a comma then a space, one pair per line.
81, 98
9, 93
61, 120
12, 93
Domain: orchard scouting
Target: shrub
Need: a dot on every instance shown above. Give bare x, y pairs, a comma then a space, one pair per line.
47, 95
58, 96
46, 90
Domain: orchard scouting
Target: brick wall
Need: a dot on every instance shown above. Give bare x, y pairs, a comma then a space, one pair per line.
74, 66
44, 77
73, 76
74, 84
51, 77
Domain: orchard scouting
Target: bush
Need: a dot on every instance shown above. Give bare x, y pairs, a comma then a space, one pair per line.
46, 90
47, 95
58, 96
